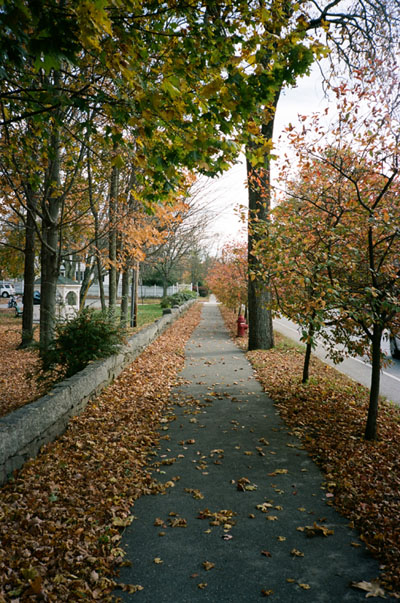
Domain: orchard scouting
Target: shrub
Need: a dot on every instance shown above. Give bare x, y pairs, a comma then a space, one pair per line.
182, 296
88, 336
165, 302
177, 298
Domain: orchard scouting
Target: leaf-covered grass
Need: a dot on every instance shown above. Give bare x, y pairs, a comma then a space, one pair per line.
328, 414
16, 366
61, 516
15, 388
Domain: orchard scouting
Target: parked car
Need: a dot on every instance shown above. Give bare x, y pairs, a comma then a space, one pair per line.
6, 290
395, 345
36, 298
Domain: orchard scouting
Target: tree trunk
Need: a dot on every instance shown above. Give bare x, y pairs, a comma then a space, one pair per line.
307, 357
165, 287
29, 272
371, 427
95, 214
136, 297
70, 268
306, 365
88, 278
133, 321
101, 284
261, 334
49, 252
125, 297
112, 241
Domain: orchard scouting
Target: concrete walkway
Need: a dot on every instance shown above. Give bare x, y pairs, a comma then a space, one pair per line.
234, 524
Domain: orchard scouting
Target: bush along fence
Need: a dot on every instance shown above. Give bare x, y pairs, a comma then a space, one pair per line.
24, 431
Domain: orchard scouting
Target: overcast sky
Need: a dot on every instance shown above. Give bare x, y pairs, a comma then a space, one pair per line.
230, 190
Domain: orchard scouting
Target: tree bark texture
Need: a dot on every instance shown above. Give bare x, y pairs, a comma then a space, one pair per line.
261, 334
112, 240
371, 427
50, 236
125, 297
88, 278
306, 365
95, 214
29, 271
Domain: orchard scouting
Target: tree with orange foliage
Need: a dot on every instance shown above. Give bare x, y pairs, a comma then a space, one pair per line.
227, 278
337, 254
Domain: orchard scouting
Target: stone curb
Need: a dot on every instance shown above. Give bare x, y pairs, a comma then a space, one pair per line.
24, 431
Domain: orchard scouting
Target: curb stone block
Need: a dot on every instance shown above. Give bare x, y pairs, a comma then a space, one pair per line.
24, 431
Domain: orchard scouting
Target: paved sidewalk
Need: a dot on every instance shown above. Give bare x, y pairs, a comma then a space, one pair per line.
259, 488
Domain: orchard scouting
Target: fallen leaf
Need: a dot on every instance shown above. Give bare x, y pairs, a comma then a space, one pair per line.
267, 593
35, 585
195, 493
296, 553
373, 588
264, 507
130, 588
158, 522
278, 472
177, 522
219, 517
122, 521
244, 485
208, 565
318, 530
157, 560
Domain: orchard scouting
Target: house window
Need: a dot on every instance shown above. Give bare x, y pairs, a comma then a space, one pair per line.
71, 298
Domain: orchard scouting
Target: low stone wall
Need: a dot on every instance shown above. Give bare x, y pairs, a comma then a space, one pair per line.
24, 431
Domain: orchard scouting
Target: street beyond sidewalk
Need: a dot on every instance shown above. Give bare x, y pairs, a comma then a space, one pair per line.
245, 514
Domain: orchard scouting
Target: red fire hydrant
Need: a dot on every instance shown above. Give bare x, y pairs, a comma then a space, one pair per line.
241, 326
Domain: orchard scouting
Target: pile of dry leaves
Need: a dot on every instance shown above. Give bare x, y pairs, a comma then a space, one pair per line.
16, 388
62, 515
329, 415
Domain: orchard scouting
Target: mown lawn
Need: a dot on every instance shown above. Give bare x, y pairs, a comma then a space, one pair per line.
147, 313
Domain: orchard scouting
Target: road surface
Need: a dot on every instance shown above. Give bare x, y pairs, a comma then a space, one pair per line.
356, 368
